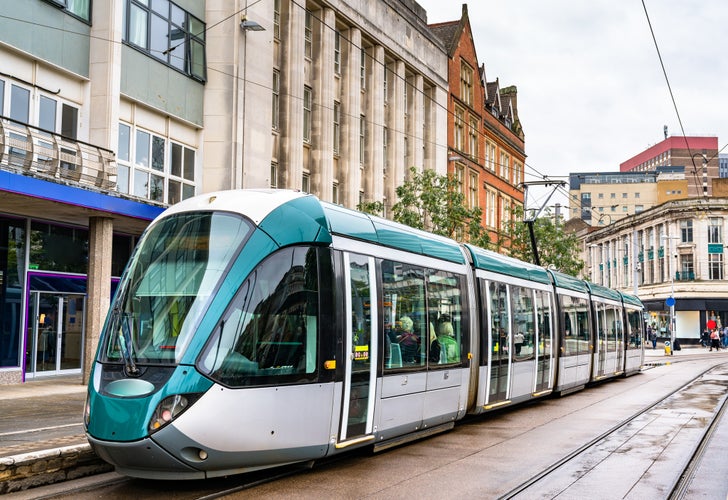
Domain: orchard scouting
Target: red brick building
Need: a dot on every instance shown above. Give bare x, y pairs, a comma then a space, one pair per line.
485, 139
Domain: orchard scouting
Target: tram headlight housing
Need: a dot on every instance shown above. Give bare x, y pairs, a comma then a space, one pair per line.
170, 408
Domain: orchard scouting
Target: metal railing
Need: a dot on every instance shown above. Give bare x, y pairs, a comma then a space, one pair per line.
37, 152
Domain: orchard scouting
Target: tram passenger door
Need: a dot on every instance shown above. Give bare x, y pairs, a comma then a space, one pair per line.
500, 342
357, 412
601, 342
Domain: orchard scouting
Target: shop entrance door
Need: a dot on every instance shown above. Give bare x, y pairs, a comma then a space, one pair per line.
55, 333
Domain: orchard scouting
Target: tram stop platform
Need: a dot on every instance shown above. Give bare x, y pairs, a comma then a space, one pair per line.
42, 440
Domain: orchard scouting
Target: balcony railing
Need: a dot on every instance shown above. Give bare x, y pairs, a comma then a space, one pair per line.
685, 276
33, 151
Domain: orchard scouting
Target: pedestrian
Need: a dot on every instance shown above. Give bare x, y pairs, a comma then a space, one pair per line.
715, 340
653, 338
725, 337
705, 338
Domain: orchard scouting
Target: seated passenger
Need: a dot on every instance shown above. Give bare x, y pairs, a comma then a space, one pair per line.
446, 337
409, 342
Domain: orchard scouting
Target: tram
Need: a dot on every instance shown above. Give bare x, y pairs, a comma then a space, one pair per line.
256, 328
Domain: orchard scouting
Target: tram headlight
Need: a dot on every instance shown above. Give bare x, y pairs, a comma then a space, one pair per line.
169, 409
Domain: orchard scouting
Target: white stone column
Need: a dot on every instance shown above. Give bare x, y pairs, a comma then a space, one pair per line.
374, 174
396, 125
292, 83
350, 164
416, 114
322, 168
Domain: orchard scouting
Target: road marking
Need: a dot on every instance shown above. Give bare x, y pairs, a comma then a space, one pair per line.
40, 429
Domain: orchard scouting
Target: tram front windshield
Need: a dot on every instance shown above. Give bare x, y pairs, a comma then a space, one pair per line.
168, 285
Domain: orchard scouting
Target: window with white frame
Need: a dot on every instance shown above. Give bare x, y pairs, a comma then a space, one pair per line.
337, 128
473, 138
473, 189
715, 266
307, 114
362, 139
277, 19
154, 167
337, 52
459, 174
308, 36
517, 172
505, 164
166, 32
490, 155
459, 129
686, 231
274, 175
715, 230
363, 69
276, 100
490, 208
466, 83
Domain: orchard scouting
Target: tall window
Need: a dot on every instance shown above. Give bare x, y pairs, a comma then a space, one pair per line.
168, 33
466, 83
308, 36
276, 99
473, 189
715, 266
518, 173
363, 69
153, 167
505, 161
307, 114
459, 129
337, 128
362, 138
686, 231
274, 175
337, 54
490, 208
460, 177
473, 138
715, 230
277, 19
490, 155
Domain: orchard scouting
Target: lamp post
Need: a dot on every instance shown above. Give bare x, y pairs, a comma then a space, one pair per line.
671, 299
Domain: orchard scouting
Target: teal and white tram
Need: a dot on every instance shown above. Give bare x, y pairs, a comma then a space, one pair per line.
255, 328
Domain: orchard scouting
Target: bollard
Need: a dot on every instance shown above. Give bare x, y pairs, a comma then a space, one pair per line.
668, 348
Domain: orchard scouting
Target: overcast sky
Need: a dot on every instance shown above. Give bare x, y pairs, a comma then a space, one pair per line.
591, 91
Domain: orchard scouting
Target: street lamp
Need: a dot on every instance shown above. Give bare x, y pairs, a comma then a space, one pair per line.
671, 299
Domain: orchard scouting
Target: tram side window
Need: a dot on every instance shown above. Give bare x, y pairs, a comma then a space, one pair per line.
269, 332
403, 297
499, 319
613, 327
634, 328
523, 322
445, 316
543, 318
575, 325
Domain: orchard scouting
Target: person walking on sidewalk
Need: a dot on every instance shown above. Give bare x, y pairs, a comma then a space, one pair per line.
715, 340
653, 337
725, 337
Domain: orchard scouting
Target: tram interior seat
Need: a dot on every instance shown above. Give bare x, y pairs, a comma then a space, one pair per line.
395, 361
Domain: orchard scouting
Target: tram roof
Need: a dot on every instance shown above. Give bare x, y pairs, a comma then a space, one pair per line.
353, 224
602, 291
502, 264
631, 299
568, 282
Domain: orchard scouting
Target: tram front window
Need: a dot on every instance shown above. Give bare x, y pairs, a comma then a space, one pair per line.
169, 284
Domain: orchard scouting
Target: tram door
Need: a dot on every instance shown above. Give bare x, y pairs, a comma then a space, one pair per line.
500, 342
601, 341
55, 332
360, 372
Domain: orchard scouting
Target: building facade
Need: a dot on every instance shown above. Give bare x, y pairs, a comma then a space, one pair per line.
600, 198
699, 156
485, 138
676, 249
111, 111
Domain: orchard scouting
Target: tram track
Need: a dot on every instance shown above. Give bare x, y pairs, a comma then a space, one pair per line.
579, 467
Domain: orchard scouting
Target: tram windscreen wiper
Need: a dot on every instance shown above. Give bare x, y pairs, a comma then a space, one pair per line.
126, 345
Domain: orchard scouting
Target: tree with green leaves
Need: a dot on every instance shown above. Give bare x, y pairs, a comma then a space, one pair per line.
435, 203
555, 247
